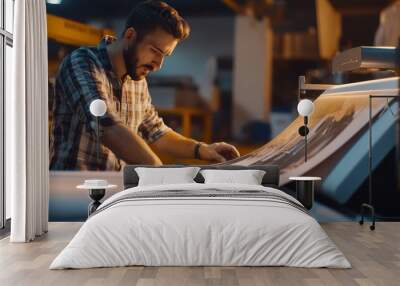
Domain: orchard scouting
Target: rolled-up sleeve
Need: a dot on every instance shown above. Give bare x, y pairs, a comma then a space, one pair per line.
152, 127
82, 81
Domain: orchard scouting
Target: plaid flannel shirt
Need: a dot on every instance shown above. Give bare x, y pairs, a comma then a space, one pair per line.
84, 75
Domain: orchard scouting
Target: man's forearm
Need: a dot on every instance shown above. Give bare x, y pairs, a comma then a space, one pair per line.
128, 146
175, 145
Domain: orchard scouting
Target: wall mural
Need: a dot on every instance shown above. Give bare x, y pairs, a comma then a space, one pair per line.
143, 108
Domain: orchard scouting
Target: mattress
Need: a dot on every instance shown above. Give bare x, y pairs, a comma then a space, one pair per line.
201, 225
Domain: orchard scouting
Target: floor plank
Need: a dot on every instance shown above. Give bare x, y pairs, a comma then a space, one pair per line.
374, 255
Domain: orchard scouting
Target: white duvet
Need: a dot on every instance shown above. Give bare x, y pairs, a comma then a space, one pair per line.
192, 231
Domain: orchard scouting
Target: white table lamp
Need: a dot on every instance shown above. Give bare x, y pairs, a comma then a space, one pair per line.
305, 108
97, 108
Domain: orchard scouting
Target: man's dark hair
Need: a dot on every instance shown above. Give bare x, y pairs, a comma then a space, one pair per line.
149, 15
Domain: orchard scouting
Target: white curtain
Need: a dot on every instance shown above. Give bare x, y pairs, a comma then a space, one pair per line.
27, 134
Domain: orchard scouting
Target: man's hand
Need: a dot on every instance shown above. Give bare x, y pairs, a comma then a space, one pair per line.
218, 152
178, 146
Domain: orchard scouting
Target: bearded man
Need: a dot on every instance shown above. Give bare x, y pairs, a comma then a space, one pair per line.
115, 71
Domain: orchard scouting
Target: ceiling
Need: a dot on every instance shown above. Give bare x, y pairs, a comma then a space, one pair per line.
289, 15
84, 10
360, 6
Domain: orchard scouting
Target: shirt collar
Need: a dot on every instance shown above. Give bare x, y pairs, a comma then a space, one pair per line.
101, 47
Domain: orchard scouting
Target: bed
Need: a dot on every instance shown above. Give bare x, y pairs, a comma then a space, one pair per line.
198, 224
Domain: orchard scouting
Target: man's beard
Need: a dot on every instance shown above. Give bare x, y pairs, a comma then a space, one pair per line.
130, 60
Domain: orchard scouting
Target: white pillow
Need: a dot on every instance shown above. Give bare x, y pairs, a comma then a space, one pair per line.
162, 176
249, 177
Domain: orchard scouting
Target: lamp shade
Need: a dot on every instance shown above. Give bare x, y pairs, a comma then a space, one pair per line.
305, 107
98, 107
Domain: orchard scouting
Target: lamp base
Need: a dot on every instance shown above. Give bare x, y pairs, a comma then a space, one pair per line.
305, 193
96, 195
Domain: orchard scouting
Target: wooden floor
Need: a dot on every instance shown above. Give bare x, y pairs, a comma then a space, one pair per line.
375, 257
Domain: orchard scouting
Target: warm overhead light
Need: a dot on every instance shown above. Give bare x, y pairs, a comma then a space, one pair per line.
55, 2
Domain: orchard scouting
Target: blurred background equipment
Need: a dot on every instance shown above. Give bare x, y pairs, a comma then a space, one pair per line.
382, 58
69, 32
371, 58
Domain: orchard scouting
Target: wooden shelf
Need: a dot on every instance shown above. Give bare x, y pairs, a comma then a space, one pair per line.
187, 114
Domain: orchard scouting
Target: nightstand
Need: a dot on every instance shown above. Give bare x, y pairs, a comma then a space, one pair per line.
97, 190
305, 190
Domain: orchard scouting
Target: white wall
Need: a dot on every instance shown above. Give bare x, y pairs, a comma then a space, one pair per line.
252, 71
